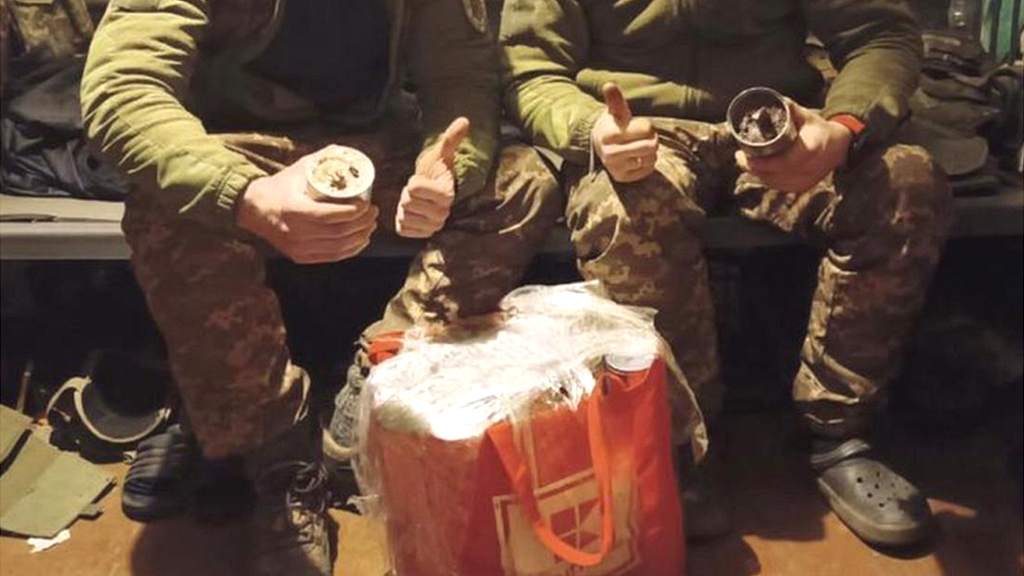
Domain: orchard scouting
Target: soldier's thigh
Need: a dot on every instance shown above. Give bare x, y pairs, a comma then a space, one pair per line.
658, 214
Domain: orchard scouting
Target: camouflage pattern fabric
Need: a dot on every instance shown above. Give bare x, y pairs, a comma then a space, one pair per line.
882, 224
49, 31
484, 250
194, 52
222, 324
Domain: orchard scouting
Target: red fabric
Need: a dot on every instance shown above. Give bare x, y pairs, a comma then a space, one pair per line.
595, 486
851, 122
385, 346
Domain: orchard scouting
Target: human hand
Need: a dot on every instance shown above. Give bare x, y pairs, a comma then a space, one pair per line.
427, 198
277, 209
820, 147
627, 146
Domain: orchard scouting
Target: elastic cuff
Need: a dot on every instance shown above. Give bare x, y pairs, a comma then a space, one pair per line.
232, 187
579, 136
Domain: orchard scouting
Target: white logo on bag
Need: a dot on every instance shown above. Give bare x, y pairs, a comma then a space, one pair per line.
570, 506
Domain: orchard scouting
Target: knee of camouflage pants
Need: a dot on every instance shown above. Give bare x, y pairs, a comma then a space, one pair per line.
640, 241
885, 233
480, 255
225, 337
483, 250
890, 203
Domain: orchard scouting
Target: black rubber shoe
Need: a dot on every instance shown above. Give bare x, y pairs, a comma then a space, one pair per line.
160, 481
170, 476
877, 504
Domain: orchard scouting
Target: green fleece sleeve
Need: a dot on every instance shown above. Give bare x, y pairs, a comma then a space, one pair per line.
454, 69
876, 46
136, 77
543, 43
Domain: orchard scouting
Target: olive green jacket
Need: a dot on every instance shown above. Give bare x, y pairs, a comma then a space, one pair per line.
688, 58
151, 58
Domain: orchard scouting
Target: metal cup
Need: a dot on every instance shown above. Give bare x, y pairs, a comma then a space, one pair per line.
340, 174
750, 101
632, 368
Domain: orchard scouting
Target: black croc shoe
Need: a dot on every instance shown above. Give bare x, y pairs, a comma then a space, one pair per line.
160, 481
877, 504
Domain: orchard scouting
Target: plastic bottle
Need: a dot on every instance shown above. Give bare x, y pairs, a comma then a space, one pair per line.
963, 16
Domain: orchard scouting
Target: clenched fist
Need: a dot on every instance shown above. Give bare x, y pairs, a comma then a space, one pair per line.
277, 209
427, 198
627, 146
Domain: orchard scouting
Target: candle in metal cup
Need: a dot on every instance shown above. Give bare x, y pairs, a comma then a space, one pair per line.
760, 121
339, 174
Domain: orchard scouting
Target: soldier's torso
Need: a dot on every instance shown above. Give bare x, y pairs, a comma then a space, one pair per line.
240, 76
238, 23
716, 46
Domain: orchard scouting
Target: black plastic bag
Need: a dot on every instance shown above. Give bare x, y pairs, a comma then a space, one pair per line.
44, 151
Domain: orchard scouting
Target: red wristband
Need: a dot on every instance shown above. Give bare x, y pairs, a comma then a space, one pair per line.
851, 122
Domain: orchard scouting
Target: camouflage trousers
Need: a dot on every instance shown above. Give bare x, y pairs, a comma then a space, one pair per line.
881, 224
223, 325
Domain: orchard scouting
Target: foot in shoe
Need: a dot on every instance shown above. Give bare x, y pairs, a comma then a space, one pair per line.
877, 504
224, 492
704, 499
160, 481
290, 522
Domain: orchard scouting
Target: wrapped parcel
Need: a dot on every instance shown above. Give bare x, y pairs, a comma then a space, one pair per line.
536, 444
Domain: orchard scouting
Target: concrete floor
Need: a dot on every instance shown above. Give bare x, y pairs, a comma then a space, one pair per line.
782, 526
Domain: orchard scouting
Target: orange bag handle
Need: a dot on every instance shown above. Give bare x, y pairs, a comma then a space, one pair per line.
519, 475
385, 346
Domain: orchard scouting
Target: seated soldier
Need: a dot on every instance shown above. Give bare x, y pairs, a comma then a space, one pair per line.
879, 210
165, 80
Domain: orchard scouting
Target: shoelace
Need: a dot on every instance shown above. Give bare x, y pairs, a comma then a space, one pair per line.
304, 499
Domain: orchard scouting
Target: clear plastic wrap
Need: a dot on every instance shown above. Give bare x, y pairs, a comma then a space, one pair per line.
432, 405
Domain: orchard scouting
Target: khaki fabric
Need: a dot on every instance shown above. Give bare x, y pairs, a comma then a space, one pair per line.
688, 58
43, 490
159, 71
225, 337
881, 225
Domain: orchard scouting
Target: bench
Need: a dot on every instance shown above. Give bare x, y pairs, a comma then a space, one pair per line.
71, 229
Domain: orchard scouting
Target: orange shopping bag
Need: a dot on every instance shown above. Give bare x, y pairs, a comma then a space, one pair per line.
585, 490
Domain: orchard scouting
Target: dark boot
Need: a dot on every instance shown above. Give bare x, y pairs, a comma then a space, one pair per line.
877, 504
705, 500
290, 522
225, 492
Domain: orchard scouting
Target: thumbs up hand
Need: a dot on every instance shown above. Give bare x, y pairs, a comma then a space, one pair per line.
627, 146
427, 198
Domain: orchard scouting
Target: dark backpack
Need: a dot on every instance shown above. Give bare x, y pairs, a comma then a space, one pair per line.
43, 147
